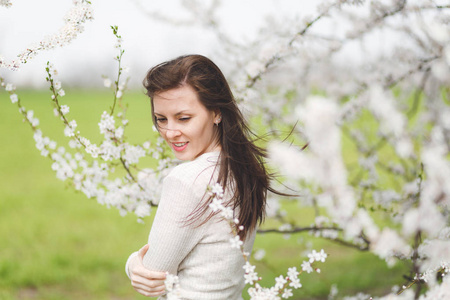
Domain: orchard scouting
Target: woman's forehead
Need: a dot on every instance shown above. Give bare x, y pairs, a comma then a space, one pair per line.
176, 100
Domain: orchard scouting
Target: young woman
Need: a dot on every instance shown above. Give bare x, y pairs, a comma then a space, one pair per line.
195, 112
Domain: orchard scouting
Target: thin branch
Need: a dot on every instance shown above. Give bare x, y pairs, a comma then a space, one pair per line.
418, 93
315, 228
298, 229
251, 82
421, 66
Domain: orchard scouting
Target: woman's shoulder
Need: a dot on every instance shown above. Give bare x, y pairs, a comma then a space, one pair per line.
197, 173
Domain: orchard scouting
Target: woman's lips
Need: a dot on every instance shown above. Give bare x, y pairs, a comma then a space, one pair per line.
179, 146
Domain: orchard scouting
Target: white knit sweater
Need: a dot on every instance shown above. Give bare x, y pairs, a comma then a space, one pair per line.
202, 257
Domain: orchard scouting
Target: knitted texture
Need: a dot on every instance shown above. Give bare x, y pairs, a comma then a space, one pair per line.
202, 257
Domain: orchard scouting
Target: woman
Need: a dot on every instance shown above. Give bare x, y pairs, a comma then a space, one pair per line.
195, 112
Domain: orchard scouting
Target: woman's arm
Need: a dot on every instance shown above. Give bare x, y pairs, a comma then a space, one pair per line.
171, 239
146, 282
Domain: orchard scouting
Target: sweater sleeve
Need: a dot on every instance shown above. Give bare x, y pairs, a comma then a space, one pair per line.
127, 271
171, 239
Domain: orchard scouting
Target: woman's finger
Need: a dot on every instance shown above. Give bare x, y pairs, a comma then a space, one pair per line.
146, 288
151, 275
156, 275
142, 251
149, 292
148, 283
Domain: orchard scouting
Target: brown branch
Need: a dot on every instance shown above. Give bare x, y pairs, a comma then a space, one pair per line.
372, 150
276, 57
298, 229
417, 94
391, 82
416, 266
348, 244
315, 228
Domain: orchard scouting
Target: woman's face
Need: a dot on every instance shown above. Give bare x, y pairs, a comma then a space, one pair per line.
185, 123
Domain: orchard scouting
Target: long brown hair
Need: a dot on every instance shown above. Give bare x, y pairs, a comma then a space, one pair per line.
241, 161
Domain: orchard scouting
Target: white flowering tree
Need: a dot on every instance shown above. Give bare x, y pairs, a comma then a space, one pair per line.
356, 100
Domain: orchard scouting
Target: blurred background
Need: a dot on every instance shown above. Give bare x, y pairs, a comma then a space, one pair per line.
147, 39
57, 244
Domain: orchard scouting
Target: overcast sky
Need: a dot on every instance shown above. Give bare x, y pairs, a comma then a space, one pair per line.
146, 41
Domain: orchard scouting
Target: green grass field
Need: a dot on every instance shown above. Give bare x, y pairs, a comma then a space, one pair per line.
57, 244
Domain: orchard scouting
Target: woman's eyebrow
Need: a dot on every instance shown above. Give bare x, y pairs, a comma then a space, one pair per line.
177, 114
181, 112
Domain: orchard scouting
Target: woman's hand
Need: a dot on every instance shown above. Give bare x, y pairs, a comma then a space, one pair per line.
146, 282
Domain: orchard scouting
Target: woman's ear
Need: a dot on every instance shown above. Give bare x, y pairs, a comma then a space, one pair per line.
217, 117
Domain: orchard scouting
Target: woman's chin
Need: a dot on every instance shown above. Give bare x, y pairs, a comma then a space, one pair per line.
183, 156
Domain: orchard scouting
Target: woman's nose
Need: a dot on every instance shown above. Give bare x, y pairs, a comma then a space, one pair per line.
172, 133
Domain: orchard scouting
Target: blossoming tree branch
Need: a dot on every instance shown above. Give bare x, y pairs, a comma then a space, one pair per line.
356, 100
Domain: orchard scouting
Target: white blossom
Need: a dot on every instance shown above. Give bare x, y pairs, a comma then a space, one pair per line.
57, 84
173, 288
119, 132
107, 82
143, 210
383, 106
260, 293
248, 267
295, 283
306, 266
280, 282
367, 135
227, 213
93, 150
259, 254
287, 293
133, 154
251, 278
106, 124
254, 68
74, 20
14, 98
217, 189
146, 145
216, 204
441, 291
65, 109
6, 3
236, 242
10, 87
389, 243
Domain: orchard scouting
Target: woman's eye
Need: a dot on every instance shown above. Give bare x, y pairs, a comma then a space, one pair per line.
185, 119
160, 120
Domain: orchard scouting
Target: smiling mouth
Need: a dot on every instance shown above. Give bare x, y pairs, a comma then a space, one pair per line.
179, 146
